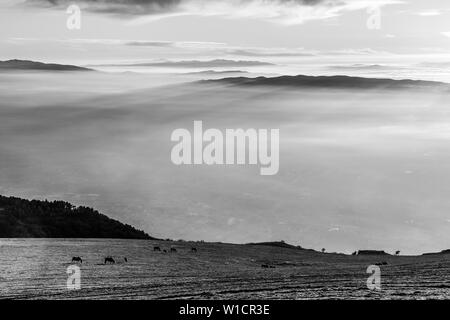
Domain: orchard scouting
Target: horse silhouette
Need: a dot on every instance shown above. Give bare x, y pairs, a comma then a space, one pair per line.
110, 260
77, 259
173, 250
156, 249
125, 259
264, 266
193, 249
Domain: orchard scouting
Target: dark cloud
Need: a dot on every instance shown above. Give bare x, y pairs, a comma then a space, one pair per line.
280, 11
120, 7
148, 7
265, 53
163, 44
217, 63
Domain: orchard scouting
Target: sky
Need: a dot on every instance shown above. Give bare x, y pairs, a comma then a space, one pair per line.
303, 35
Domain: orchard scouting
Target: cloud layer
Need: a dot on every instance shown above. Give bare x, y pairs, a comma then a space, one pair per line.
282, 11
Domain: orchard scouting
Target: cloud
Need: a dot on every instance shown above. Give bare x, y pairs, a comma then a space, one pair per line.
134, 43
281, 11
217, 63
231, 221
447, 34
429, 13
164, 44
355, 52
364, 67
299, 52
263, 52
435, 64
178, 44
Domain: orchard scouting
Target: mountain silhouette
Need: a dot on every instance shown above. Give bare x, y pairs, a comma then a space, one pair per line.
21, 218
33, 65
330, 82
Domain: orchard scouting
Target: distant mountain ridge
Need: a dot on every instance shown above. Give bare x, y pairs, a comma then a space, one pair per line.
21, 218
347, 82
446, 251
213, 72
280, 244
16, 64
372, 252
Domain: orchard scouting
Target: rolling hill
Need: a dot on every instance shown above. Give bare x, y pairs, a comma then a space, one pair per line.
34, 65
21, 218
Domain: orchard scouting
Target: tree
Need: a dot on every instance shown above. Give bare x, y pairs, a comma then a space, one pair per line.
397, 252
21, 218
323, 250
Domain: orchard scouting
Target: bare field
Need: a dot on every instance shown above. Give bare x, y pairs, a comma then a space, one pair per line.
36, 269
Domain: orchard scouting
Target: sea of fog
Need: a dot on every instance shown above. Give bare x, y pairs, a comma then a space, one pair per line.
358, 169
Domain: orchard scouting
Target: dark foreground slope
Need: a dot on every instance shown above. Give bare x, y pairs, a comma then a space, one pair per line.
24, 65
331, 82
21, 218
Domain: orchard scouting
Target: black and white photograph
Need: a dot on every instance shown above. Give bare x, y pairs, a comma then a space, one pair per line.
224, 150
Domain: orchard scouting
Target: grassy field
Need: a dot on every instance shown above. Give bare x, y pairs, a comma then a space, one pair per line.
36, 268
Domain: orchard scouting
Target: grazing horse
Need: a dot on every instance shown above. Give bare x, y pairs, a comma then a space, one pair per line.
264, 266
165, 251
156, 249
110, 260
173, 250
77, 259
193, 249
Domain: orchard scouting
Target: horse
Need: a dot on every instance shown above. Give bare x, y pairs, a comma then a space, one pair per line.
173, 250
193, 249
110, 260
264, 266
125, 259
77, 259
156, 249
165, 251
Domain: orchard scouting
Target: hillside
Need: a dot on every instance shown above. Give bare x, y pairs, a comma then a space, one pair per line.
330, 82
21, 218
443, 252
33, 65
